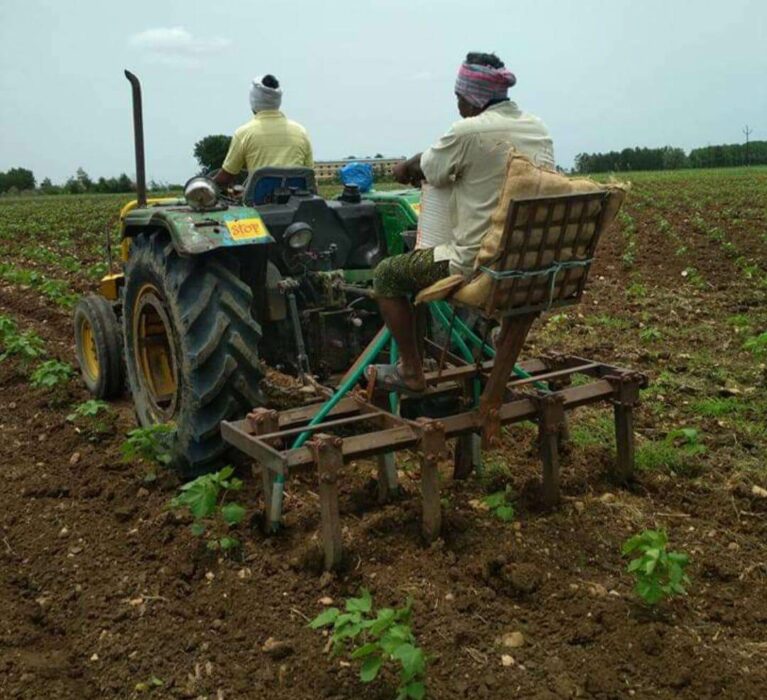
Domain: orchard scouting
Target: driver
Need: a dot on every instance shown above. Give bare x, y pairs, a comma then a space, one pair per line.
269, 139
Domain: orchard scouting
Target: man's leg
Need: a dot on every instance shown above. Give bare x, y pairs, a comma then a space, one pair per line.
395, 279
398, 315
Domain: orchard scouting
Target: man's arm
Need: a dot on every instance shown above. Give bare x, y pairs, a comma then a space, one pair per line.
443, 162
308, 154
223, 179
408, 172
233, 163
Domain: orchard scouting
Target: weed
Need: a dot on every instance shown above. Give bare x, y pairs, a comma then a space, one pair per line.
658, 573
377, 637
205, 498
636, 290
740, 322
757, 345
715, 406
610, 322
495, 470
674, 453
598, 430
151, 444
650, 335
694, 277
51, 374
500, 504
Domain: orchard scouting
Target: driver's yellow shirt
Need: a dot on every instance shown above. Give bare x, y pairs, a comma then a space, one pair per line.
269, 139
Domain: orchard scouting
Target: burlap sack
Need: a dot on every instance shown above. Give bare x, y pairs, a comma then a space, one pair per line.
524, 180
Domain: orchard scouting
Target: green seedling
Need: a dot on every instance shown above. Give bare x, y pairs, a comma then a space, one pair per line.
88, 409
8, 328
658, 574
93, 418
376, 638
500, 505
147, 686
151, 444
26, 346
51, 374
205, 498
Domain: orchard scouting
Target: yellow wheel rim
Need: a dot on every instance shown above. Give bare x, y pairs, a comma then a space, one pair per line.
91, 364
154, 351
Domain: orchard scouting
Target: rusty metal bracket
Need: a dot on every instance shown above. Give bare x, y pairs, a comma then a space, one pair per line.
626, 387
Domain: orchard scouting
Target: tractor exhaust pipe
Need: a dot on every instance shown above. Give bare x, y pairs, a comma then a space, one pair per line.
138, 139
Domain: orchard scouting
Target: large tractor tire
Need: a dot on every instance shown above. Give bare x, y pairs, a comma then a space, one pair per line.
98, 347
191, 346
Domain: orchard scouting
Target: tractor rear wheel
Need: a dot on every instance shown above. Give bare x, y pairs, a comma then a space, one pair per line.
191, 346
98, 347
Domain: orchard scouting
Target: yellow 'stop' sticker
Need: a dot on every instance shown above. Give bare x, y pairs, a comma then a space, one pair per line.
246, 228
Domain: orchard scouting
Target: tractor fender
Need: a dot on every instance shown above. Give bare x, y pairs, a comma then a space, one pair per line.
194, 232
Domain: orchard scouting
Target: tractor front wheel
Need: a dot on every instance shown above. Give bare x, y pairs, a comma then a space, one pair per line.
191, 346
98, 347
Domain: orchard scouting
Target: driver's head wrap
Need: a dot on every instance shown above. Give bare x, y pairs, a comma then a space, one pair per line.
263, 97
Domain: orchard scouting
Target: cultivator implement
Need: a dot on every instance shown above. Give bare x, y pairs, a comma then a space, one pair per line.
542, 261
357, 428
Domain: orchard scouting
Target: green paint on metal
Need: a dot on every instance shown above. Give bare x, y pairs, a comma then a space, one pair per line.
194, 232
489, 351
356, 276
342, 390
399, 210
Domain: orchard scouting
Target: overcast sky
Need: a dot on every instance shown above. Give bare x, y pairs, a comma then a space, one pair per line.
368, 76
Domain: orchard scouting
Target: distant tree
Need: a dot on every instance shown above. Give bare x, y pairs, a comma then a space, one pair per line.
674, 158
351, 157
73, 186
211, 151
124, 183
19, 178
85, 181
378, 155
47, 187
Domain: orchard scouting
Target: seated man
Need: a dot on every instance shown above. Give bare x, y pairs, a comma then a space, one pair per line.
267, 140
470, 159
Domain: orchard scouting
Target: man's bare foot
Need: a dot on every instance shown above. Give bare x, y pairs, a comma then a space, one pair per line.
396, 378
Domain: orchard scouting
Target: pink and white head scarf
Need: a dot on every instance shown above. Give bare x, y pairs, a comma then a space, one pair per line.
481, 84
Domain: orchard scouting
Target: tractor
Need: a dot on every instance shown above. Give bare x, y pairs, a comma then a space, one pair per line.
214, 289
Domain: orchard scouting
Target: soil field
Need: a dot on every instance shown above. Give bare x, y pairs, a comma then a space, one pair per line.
106, 593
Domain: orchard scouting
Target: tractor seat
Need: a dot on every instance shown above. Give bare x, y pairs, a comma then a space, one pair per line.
262, 184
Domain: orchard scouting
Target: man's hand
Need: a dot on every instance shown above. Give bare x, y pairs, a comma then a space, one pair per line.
408, 172
223, 179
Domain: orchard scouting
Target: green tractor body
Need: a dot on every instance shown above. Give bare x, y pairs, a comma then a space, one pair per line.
215, 293
194, 232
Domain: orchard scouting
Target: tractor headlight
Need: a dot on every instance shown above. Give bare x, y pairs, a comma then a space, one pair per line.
201, 193
298, 235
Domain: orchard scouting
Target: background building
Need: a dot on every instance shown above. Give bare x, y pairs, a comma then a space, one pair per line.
325, 170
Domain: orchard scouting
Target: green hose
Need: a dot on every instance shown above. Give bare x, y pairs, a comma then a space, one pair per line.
275, 511
489, 351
